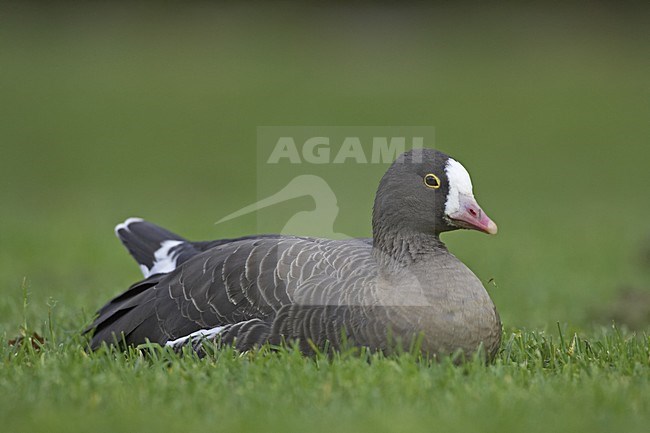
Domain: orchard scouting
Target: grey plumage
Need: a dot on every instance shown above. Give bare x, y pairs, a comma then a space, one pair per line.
400, 286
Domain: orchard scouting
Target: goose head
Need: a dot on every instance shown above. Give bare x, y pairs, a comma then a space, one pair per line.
429, 192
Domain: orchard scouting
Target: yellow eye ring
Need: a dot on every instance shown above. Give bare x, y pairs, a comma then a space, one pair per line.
432, 181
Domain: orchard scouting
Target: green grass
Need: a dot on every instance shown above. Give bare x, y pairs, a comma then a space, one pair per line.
110, 112
539, 382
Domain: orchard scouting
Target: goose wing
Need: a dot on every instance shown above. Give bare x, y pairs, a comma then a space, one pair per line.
274, 282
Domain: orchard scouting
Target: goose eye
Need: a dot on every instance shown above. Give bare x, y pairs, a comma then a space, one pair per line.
432, 181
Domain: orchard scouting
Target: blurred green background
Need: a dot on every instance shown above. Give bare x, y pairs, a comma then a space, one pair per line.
152, 110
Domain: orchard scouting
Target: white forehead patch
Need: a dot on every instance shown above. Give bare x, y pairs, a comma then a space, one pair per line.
459, 184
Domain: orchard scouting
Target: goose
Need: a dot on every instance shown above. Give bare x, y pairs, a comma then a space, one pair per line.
399, 287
